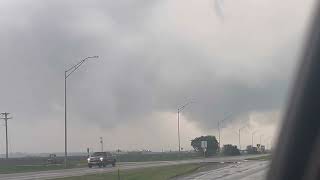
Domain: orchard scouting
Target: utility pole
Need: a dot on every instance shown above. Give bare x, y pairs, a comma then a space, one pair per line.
101, 142
6, 118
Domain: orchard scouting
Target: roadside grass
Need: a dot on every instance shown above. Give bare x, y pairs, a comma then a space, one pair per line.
261, 158
154, 173
30, 168
8, 169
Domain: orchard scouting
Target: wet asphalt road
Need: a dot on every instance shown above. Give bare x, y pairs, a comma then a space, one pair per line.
123, 166
244, 170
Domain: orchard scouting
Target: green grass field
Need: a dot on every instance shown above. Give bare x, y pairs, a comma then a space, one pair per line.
133, 157
31, 168
7, 169
154, 173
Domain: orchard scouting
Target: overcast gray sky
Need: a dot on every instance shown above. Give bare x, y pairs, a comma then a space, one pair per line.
229, 56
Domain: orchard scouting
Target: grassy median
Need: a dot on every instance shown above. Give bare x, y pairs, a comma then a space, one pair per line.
39, 163
8, 169
154, 173
28, 168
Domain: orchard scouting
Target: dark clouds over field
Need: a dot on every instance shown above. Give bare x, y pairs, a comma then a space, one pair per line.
154, 57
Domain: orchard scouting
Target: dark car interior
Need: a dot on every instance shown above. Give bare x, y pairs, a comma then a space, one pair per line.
298, 148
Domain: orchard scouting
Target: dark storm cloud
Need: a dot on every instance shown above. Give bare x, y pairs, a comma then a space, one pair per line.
140, 70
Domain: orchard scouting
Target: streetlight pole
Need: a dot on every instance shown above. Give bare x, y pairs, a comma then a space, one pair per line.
219, 124
219, 134
267, 142
179, 110
65, 119
179, 129
240, 136
67, 73
101, 142
261, 139
253, 133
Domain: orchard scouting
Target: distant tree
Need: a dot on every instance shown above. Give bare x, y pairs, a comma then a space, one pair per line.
252, 150
118, 151
212, 145
230, 150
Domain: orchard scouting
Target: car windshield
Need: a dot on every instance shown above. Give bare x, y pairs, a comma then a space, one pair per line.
191, 83
99, 154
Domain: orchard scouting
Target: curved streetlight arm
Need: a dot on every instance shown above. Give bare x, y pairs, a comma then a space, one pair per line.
75, 67
268, 138
261, 138
184, 106
235, 132
242, 128
227, 117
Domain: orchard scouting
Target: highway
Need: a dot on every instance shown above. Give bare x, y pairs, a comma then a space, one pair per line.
123, 166
246, 170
